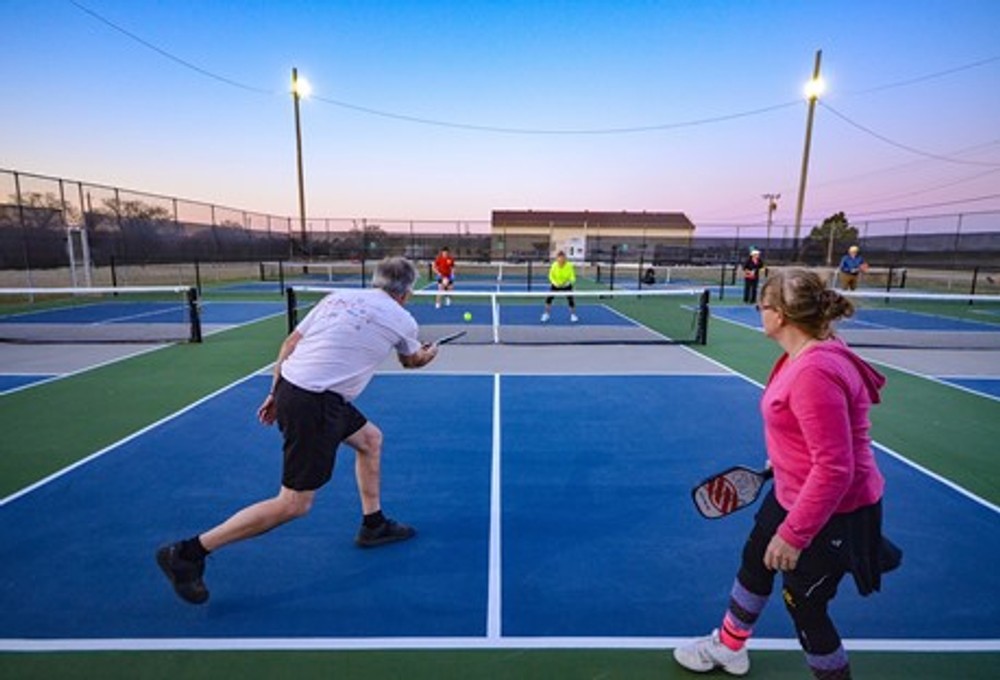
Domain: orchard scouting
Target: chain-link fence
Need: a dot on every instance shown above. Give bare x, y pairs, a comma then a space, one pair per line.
55, 230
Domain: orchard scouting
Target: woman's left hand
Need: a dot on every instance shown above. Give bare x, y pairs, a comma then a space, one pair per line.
780, 556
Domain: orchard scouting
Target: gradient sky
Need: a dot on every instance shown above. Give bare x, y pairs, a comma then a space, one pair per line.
82, 100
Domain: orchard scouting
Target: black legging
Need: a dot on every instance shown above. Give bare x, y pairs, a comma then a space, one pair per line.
809, 588
569, 298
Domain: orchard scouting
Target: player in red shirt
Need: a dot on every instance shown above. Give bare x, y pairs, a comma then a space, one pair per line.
444, 267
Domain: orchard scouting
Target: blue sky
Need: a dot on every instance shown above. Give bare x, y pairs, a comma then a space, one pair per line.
83, 100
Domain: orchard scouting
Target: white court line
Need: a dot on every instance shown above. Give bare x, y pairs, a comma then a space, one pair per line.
145, 350
938, 380
60, 376
898, 456
494, 638
483, 643
121, 442
173, 309
495, 597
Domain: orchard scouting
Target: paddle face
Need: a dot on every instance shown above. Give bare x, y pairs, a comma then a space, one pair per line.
729, 491
451, 337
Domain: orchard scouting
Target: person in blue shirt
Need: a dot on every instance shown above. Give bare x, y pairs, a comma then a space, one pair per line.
851, 266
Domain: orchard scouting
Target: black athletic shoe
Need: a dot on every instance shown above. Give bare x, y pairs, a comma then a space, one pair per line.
185, 575
389, 531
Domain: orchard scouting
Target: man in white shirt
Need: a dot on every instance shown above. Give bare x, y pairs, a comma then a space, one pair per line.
322, 366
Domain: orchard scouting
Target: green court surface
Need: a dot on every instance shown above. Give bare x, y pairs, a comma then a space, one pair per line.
46, 428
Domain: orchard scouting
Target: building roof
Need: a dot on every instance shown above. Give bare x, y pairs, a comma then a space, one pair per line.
602, 219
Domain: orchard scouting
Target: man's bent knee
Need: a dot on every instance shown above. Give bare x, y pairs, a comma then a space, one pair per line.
294, 503
367, 440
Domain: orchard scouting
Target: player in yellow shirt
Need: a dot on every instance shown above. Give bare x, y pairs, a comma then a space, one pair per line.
562, 276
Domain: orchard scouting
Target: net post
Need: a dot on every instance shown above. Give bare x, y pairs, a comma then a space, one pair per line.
495, 308
194, 315
291, 309
614, 258
701, 334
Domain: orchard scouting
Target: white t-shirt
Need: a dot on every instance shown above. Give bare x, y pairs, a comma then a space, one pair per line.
344, 339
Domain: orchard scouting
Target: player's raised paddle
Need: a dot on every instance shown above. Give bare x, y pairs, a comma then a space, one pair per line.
451, 337
729, 491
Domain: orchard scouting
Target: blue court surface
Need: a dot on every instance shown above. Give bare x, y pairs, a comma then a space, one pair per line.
560, 509
990, 386
112, 312
874, 319
515, 314
278, 287
10, 382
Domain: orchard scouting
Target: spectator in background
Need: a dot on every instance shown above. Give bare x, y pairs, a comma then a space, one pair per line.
752, 271
851, 267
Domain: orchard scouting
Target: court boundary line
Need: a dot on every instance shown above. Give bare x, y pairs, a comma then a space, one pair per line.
911, 372
121, 442
494, 601
962, 491
940, 380
79, 371
468, 643
494, 638
146, 350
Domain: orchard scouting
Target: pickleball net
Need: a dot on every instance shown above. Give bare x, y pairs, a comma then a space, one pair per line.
346, 273
506, 317
134, 314
922, 321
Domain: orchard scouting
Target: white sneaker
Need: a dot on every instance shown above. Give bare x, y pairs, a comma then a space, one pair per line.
447, 302
708, 653
545, 317
437, 305
573, 318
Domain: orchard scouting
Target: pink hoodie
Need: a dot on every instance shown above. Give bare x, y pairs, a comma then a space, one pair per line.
815, 411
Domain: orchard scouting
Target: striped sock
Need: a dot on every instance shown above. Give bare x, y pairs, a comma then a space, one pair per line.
744, 609
832, 666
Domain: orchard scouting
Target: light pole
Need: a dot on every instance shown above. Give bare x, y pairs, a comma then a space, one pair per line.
813, 90
300, 88
772, 205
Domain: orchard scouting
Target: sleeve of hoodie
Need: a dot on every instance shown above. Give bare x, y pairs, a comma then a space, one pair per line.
820, 404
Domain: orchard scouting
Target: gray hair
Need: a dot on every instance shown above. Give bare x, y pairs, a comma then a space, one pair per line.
395, 275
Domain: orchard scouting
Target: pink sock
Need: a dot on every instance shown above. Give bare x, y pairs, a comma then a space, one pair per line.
731, 635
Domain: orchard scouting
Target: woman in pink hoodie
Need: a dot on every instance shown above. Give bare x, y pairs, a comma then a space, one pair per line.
823, 519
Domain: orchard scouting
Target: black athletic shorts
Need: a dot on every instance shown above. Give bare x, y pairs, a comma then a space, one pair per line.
313, 425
